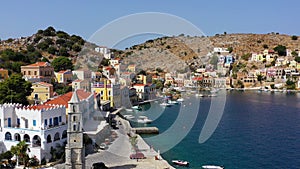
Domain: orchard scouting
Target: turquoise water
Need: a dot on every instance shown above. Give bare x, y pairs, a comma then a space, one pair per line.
257, 130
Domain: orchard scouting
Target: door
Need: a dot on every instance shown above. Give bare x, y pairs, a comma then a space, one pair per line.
9, 122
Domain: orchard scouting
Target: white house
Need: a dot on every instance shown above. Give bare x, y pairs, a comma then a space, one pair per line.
42, 127
142, 91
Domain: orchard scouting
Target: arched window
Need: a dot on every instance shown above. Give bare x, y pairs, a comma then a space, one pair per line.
56, 136
36, 141
49, 139
7, 136
74, 127
17, 137
26, 138
64, 134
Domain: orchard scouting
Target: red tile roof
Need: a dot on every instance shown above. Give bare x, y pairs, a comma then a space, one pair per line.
139, 85
39, 64
39, 107
45, 84
64, 99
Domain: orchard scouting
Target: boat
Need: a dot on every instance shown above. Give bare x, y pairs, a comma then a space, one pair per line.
144, 120
137, 108
165, 104
129, 110
199, 95
180, 100
128, 117
212, 167
180, 162
172, 102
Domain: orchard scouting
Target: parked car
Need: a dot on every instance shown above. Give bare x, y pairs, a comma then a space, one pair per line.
99, 165
137, 155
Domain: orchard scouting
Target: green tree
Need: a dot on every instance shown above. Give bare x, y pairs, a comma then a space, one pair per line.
142, 72
15, 89
62, 63
50, 31
281, 50
43, 45
294, 53
260, 78
297, 59
76, 48
246, 56
214, 60
133, 141
30, 48
294, 37
63, 52
52, 50
230, 49
20, 150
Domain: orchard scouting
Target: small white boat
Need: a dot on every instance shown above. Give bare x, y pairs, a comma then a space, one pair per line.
165, 104
199, 95
180, 162
172, 102
180, 100
144, 120
130, 110
129, 117
137, 107
212, 167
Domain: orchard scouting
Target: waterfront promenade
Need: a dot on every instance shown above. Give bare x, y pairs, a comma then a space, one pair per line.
118, 152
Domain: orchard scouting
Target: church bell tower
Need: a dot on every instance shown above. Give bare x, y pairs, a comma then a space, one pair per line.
75, 155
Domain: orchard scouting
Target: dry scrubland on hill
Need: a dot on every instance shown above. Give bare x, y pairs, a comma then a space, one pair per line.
170, 53
174, 53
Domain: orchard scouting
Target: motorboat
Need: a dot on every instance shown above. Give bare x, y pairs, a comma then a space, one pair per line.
180, 162
128, 117
144, 119
180, 100
137, 108
172, 102
199, 95
165, 104
129, 110
212, 167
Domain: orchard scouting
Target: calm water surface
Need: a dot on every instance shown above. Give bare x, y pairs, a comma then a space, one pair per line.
257, 130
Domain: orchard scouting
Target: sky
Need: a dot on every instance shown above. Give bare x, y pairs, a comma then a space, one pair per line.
84, 18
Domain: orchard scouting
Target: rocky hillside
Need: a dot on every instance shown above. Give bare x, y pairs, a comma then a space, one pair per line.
45, 45
174, 53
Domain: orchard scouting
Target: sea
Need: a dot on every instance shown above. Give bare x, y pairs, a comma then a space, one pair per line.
256, 129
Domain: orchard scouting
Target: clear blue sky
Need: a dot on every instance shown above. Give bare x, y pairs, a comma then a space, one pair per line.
23, 18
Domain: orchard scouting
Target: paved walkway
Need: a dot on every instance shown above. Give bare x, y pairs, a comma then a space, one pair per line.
117, 155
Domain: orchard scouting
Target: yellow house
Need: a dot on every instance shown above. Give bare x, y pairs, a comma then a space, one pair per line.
64, 76
38, 72
42, 91
108, 92
3, 74
144, 79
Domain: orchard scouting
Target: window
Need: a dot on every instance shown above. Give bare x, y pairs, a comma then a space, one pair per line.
36, 96
74, 118
59, 118
35, 72
18, 121
46, 122
29, 72
74, 127
50, 121
34, 122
